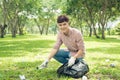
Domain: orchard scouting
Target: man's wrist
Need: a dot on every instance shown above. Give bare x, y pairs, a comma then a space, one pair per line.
73, 57
47, 60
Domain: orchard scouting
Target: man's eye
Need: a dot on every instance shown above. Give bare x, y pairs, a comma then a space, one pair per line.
64, 24
60, 25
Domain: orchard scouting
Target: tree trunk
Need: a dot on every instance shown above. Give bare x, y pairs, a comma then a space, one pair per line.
103, 32
90, 34
21, 31
99, 29
20, 26
55, 29
13, 32
108, 31
95, 32
41, 29
90, 28
14, 26
14, 29
2, 28
47, 27
93, 24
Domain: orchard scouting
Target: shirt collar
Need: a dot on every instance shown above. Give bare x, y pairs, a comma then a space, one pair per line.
69, 33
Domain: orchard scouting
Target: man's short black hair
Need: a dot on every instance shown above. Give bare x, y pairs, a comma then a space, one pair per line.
62, 18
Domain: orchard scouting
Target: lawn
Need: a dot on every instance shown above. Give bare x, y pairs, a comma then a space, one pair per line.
21, 55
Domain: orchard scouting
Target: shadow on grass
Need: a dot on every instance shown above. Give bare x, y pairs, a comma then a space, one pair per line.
28, 69
20, 48
106, 50
103, 70
108, 40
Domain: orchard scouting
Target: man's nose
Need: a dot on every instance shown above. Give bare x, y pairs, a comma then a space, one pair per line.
62, 26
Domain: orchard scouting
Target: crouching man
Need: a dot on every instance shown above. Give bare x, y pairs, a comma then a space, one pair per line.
72, 39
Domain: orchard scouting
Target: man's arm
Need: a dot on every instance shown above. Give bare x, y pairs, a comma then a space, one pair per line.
45, 63
81, 46
52, 53
56, 47
79, 54
81, 51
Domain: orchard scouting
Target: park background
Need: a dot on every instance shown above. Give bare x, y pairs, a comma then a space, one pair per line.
28, 32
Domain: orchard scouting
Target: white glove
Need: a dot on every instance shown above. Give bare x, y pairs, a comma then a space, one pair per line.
22, 77
71, 61
43, 65
84, 78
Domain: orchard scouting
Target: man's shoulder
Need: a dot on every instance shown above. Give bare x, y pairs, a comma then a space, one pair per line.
75, 30
59, 34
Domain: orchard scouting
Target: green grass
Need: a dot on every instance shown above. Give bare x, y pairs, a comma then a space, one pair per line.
21, 55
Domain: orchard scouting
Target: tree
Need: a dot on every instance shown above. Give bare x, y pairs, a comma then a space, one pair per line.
97, 11
81, 8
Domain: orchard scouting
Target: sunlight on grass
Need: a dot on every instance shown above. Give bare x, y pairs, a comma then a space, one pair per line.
21, 55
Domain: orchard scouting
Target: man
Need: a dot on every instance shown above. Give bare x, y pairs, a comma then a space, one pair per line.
72, 38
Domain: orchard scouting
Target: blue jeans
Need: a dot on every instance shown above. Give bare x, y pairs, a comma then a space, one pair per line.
63, 56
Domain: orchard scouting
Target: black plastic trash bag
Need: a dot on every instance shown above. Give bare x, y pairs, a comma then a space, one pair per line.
79, 69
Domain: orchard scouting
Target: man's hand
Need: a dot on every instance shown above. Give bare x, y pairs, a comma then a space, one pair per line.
71, 61
43, 65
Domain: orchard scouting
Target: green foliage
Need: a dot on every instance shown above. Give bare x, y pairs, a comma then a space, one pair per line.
92, 12
113, 31
82, 13
117, 29
21, 55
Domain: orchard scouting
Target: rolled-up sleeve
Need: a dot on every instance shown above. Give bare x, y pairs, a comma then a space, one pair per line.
80, 42
58, 42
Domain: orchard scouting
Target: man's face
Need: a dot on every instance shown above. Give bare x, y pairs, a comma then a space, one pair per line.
63, 27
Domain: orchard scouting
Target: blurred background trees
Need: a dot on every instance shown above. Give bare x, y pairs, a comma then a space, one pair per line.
91, 17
